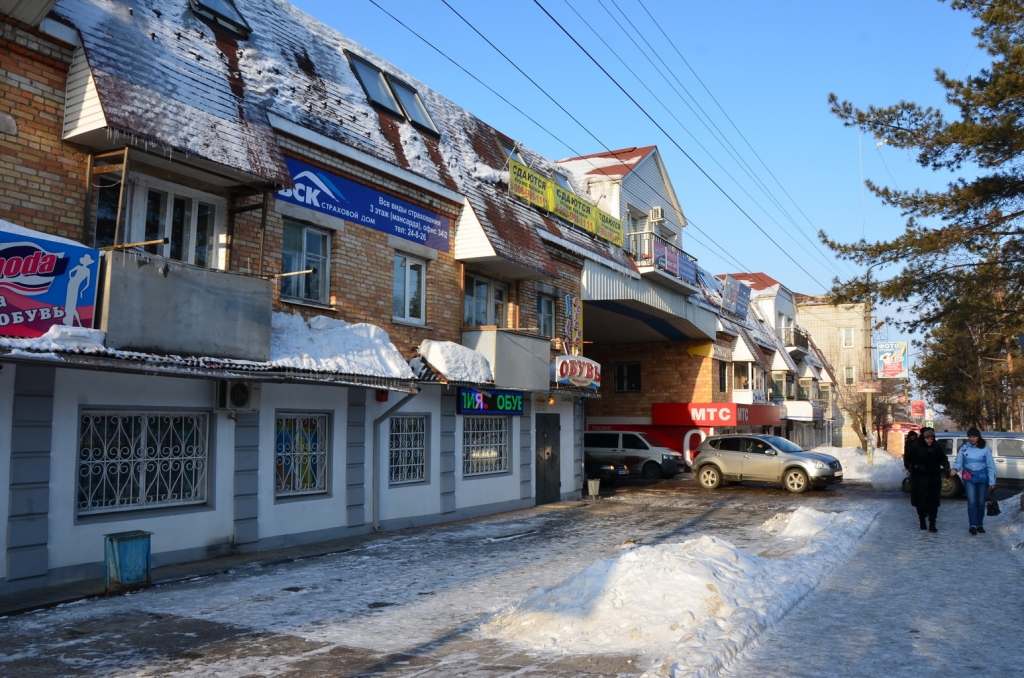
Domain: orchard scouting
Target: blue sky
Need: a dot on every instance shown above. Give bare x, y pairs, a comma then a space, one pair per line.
769, 65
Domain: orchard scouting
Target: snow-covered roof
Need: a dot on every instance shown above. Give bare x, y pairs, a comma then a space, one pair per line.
205, 93
324, 344
610, 164
453, 363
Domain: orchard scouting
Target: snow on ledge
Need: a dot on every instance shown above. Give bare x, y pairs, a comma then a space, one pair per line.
14, 229
456, 362
328, 345
59, 338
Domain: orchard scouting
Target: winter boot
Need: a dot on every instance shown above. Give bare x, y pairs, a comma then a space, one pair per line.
931, 525
923, 526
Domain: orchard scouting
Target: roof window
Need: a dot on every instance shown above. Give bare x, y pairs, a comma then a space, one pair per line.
563, 181
510, 151
224, 13
393, 94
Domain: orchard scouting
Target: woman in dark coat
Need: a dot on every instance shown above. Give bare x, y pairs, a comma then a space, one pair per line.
927, 463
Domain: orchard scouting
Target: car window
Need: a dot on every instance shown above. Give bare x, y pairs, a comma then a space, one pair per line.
631, 441
946, 444
755, 446
1007, 447
731, 444
602, 440
784, 445
651, 440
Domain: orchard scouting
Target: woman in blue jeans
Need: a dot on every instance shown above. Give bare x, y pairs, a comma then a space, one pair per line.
977, 470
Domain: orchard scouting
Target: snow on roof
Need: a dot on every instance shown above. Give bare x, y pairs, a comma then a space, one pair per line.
454, 362
757, 282
329, 345
610, 164
203, 92
60, 338
8, 227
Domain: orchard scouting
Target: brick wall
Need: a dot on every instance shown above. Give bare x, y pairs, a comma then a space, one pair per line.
42, 179
668, 374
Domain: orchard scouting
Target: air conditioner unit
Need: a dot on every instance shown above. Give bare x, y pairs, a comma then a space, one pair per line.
237, 396
657, 214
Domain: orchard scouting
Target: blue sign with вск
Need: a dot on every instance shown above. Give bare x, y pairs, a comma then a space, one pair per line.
339, 197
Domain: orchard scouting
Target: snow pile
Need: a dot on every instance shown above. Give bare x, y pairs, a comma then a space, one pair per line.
885, 473
1010, 523
14, 229
695, 605
329, 345
489, 175
60, 338
456, 362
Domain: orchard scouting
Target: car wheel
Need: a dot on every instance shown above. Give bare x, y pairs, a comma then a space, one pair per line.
796, 481
710, 477
950, 487
651, 471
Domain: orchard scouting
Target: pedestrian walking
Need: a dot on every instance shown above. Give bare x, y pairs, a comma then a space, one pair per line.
927, 463
977, 470
908, 445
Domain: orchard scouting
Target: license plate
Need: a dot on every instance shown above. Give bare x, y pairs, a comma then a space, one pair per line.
839, 474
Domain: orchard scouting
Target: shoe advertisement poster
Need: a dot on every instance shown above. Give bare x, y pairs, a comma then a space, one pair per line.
45, 282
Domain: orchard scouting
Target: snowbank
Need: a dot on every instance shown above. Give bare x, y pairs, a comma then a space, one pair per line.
690, 607
59, 338
329, 345
885, 473
456, 362
1010, 523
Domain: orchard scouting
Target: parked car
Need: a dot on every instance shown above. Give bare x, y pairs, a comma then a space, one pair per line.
731, 458
1007, 450
605, 470
640, 452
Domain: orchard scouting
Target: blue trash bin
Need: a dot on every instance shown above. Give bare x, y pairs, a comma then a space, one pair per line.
127, 559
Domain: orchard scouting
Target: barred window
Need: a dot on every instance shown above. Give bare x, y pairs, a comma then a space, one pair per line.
484, 445
133, 460
407, 450
300, 458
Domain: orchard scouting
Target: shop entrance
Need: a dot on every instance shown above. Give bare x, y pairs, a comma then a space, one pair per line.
548, 478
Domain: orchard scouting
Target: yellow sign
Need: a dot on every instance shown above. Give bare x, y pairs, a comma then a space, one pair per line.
609, 228
528, 185
572, 208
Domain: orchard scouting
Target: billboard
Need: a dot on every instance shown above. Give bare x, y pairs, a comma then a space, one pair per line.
44, 282
735, 296
892, 360
917, 408
339, 197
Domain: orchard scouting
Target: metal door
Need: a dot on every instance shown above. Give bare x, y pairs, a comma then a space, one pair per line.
758, 464
548, 477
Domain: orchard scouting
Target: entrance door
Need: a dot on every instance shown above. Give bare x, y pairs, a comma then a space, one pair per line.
548, 477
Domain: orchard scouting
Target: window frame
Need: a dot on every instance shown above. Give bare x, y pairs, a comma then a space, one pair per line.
852, 341
424, 452
744, 375
324, 272
723, 376
391, 83
205, 476
621, 377
509, 149
504, 455
407, 319
493, 286
325, 474
238, 26
542, 300
849, 375
142, 184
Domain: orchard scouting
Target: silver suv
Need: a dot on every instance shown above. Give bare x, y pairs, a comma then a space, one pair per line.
733, 458
1007, 450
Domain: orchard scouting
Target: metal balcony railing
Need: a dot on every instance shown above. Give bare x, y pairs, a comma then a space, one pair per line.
792, 337
650, 249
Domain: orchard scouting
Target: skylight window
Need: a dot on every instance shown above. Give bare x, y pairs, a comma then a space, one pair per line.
393, 94
510, 151
563, 181
224, 13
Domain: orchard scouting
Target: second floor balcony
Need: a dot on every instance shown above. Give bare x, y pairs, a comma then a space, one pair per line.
793, 338
663, 262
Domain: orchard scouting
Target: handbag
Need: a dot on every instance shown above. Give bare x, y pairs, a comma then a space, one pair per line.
992, 506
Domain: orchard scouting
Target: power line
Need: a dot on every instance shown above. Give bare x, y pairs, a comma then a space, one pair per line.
675, 143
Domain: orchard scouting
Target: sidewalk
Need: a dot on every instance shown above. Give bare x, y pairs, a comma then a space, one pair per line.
897, 609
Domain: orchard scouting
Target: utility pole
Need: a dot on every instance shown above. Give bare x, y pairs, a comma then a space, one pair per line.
870, 369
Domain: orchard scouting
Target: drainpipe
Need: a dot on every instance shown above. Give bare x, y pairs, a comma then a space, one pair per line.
375, 472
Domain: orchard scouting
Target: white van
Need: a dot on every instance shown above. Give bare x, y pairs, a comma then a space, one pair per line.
643, 454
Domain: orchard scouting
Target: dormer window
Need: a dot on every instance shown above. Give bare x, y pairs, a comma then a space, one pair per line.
393, 94
563, 181
224, 13
510, 151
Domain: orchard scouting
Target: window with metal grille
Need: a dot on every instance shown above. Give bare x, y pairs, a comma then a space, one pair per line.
300, 456
407, 450
484, 445
627, 377
132, 460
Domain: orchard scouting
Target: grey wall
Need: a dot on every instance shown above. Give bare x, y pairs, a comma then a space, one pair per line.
149, 303
577, 443
246, 487
355, 458
526, 445
448, 457
519, 361
31, 434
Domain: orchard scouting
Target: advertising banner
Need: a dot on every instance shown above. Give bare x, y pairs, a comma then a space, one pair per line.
869, 386
714, 414
572, 208
742, 301
45, 282
337, 196
609, 228
473, 401
731, 293
892, 360
659, 254
917, 408
574, 370
687, 270
528, 185
672, 261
